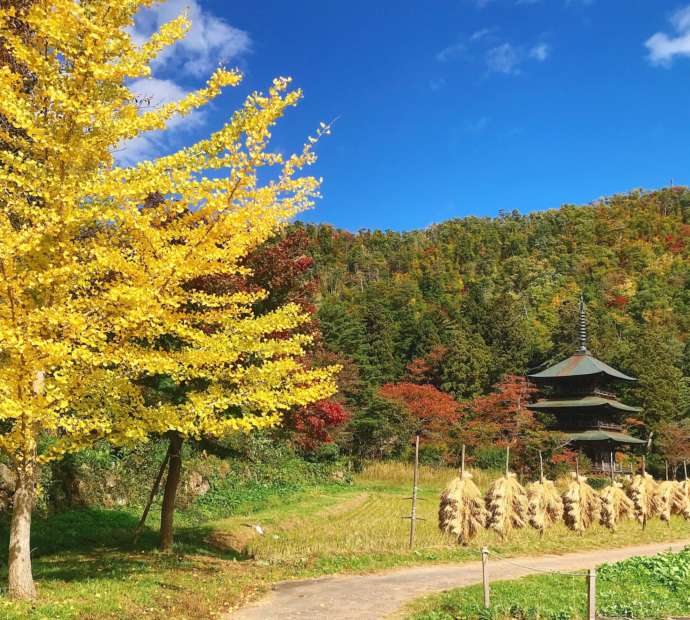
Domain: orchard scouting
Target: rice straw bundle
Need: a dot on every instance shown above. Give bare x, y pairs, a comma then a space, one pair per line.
582, 505
462, 513
643, 493
663, 498
615, 506
544, 504
506, 501
680, 503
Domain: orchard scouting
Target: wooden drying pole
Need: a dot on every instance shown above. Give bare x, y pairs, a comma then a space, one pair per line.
413, 516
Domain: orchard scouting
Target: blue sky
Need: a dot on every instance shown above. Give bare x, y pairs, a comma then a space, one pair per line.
449, 108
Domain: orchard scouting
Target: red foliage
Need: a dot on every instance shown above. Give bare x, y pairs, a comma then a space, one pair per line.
284, 269
564, 456
500, 418
315, 424
433, 410
618, 301
427, 369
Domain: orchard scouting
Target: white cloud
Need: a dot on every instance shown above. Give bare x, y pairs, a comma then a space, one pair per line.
211, 40
481, 34
540, 52
663, 48
504, 58
451, 52
152, 93
498, 56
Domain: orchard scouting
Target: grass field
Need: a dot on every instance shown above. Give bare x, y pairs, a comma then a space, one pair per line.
87, 567
655, 587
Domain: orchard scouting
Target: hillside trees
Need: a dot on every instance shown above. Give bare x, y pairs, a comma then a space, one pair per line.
96, 294
467, 301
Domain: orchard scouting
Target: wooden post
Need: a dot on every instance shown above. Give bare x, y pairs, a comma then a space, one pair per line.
685, 470
462, 463
485, 577
613, 478
592, 594
666, 463
413, 517
507, 459
541, 468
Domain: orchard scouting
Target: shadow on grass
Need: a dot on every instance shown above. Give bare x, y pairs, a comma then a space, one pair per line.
99, 544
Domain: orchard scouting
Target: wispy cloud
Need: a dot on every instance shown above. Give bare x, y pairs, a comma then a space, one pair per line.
437, 84
451, 52
210, 41
156, 93
663, 48
498, 56
481, 34
504, 58
540, 52
478, 125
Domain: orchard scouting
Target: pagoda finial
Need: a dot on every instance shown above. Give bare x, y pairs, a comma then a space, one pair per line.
582, 327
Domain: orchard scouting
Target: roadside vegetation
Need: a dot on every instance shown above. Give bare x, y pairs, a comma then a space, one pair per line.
655, 587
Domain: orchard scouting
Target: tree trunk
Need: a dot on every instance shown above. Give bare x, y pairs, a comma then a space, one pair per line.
172, 481
21, 581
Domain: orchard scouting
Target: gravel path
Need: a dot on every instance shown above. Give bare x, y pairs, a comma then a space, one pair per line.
363, 597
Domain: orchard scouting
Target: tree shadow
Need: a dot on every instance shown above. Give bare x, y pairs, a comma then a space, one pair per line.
94, 543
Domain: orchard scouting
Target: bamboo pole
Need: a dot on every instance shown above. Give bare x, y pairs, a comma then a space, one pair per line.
413, 517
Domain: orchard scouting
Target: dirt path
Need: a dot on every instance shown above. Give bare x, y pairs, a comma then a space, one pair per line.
364, 597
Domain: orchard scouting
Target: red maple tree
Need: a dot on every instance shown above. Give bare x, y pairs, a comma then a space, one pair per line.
431, 409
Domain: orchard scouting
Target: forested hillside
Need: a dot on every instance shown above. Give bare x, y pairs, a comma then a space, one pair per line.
463, 303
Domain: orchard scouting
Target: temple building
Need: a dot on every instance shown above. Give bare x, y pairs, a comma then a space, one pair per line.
578, 393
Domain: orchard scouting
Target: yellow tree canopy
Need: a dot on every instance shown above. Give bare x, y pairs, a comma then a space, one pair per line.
95, 277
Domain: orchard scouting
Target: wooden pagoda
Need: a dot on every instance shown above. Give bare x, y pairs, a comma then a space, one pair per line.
578, 393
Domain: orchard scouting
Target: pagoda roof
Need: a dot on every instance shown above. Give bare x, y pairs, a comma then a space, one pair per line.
605, 436
585, 402
582, 364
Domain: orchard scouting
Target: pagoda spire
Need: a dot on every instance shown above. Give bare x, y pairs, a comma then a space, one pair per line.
582, 327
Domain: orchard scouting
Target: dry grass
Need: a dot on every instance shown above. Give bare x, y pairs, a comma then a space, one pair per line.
340, 531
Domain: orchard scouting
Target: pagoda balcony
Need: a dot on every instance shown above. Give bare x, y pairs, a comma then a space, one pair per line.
593, 425
574, 391
605, 468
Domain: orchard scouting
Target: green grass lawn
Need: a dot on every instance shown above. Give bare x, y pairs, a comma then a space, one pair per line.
655, 587
87, 567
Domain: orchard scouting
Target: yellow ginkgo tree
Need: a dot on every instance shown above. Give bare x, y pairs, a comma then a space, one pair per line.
97, 288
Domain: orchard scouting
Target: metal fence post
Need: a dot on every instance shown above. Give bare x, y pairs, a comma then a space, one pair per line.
485, 576
592, 594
